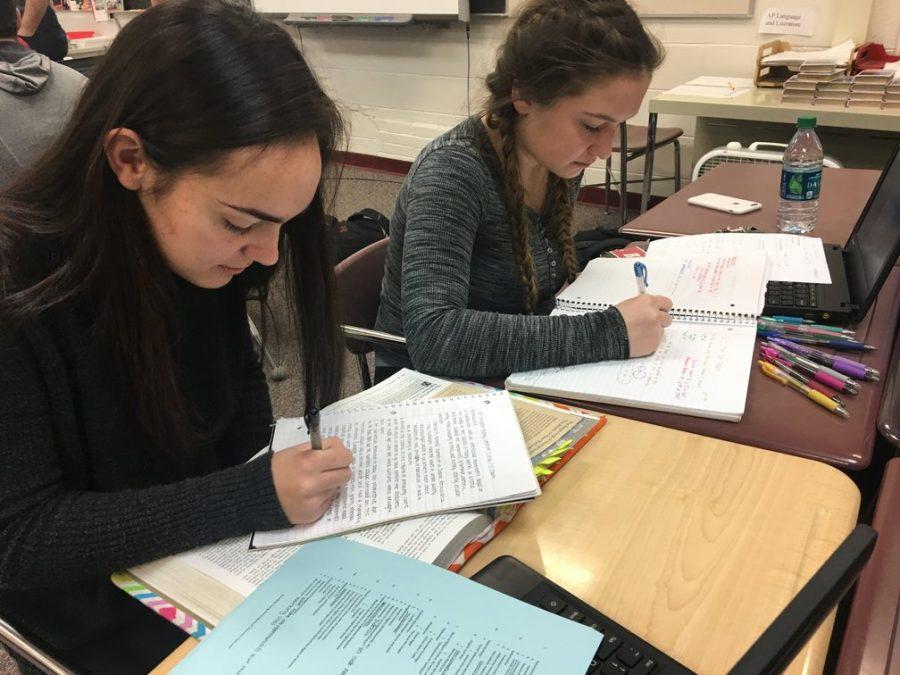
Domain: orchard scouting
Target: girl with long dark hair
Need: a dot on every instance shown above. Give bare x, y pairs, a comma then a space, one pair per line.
481, 237
131, 397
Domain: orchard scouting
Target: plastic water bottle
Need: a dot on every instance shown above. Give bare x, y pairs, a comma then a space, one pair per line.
801, 179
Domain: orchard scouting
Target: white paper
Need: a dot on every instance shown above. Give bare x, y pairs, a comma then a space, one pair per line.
405, 385
418, 458
788, 21
714, 87
792, 257
839, 54
698, 369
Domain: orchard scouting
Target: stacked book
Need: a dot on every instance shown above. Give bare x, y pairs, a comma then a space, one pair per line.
822, 84
868, 88
804, 86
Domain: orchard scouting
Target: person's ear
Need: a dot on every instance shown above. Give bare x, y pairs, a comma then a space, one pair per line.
521, 105
125, 154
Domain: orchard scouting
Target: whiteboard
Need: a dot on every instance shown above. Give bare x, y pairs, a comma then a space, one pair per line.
419, 7
737, 9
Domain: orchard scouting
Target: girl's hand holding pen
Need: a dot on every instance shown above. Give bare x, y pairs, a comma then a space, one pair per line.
306, 480
645, 316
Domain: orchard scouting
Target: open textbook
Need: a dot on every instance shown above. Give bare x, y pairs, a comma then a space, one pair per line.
702, 365
209, 582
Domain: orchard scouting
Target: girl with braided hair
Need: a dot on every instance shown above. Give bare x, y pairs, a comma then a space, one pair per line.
481, 238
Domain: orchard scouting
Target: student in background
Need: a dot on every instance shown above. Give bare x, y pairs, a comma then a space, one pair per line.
41, 30
132, 399
481, 237
36, 97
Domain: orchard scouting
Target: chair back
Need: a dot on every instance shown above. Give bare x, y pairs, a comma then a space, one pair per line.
359, 290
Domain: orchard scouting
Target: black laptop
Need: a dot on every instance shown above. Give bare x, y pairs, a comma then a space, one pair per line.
621, 652
858, 271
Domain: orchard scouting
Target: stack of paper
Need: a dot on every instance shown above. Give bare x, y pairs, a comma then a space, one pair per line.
835, 56
892, 95
833, 92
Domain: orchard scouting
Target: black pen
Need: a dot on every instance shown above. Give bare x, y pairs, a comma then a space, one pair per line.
312, 426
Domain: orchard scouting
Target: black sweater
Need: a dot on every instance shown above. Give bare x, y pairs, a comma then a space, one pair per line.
81, 493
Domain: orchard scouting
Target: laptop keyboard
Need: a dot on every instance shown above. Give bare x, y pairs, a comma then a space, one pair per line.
620, 653
791, 294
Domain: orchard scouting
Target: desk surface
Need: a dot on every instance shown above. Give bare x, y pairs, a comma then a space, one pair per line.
765, 104
844, 195
694, 543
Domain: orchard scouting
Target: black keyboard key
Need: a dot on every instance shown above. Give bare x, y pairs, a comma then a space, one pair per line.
594, 665
574, 615
629, 655
613, 668
592, 623
647, 666
609, 645
552, 604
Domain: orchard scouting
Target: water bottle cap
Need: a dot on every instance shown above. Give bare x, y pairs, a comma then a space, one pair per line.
806, 122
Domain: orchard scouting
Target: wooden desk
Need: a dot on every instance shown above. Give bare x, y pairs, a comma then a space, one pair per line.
859, 137
844, 195
694, 543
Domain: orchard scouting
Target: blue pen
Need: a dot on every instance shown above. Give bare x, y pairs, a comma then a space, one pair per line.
640, 277
790, 319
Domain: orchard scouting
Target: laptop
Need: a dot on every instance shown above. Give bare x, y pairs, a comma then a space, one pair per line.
622, 652
858, 271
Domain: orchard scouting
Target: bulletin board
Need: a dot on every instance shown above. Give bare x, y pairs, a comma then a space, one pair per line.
692, 9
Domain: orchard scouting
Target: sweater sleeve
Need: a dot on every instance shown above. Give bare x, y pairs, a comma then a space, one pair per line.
446, 204
54, 534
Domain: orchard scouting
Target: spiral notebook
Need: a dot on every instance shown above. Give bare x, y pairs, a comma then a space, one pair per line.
701, 367
717, 289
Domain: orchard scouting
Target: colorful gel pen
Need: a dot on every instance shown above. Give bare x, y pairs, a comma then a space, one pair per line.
838, 363
787, 369
823, 374
772, 372
806, 322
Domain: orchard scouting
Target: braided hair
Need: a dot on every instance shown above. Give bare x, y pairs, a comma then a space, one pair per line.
556, 49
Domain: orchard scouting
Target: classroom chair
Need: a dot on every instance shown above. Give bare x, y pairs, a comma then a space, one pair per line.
871, 641
358, 280
18, 644
632, 144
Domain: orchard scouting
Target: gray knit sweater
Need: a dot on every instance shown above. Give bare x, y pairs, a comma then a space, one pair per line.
451, 284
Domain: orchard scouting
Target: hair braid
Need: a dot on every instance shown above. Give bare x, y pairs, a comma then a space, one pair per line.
514, 197
559, 190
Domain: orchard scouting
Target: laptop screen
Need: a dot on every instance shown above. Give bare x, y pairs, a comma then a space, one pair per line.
873, 247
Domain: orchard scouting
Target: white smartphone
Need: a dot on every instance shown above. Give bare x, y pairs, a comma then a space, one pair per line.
711, 200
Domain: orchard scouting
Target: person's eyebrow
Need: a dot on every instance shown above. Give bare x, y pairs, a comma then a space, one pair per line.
601, 116
256, 213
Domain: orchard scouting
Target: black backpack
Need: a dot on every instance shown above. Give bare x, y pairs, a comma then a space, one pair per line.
358, 231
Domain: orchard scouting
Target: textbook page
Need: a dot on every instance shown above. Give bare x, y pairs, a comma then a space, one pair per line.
698, 369
234, 564
417, 458
723, 286
543, 425
792, 257
338, 607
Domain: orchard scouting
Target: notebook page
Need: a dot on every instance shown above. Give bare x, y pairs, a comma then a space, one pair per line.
708, 285
417, 459
698, 369
792, 257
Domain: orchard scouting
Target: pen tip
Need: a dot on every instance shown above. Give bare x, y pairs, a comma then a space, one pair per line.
842, 411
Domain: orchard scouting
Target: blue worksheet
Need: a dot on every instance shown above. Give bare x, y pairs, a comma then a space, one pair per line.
341, 607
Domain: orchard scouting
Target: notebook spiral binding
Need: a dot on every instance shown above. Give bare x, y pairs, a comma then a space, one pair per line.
703, 316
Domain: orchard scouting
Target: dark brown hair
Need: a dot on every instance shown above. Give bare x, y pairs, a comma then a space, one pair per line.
556, 49
196, 79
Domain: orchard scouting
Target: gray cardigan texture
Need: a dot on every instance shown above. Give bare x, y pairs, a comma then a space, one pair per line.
451, 284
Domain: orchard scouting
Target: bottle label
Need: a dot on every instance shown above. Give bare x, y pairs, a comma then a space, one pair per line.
800, 184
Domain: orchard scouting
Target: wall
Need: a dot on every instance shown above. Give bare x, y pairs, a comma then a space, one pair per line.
401, 87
